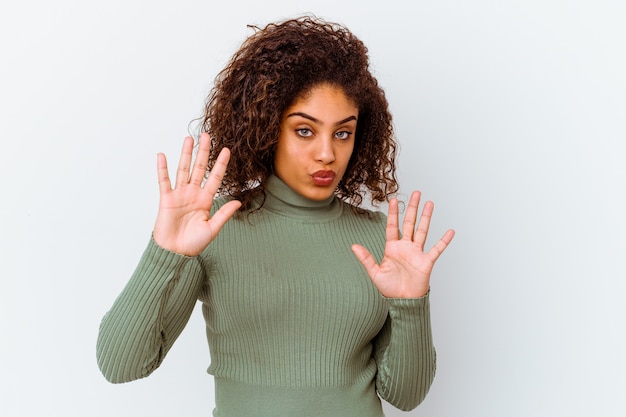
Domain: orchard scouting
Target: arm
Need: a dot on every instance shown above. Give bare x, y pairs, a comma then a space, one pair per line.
157, 302
148, 315
405, 354
403, 349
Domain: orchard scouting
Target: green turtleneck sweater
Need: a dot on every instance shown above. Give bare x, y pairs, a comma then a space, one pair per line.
294, 324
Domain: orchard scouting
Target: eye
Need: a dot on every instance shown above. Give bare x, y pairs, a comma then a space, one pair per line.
344, 134
304, 132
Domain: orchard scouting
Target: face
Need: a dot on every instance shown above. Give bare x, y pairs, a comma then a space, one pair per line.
316, 141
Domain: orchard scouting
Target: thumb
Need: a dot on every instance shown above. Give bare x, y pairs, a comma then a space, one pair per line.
221, 216
367, 260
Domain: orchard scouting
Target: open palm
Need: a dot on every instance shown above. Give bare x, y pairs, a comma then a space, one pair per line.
405, 269
184, 224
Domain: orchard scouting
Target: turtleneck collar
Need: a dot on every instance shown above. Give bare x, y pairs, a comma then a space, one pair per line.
283, 200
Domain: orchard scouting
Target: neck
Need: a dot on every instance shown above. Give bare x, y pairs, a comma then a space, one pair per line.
283, 200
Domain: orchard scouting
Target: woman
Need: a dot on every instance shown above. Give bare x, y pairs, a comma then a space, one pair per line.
296, 132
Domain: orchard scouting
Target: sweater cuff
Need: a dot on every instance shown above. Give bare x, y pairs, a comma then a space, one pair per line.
409, 307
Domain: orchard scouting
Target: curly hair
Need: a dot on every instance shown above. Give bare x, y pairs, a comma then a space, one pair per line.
275, 66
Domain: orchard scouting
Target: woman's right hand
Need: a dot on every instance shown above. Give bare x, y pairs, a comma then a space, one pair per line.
184, 224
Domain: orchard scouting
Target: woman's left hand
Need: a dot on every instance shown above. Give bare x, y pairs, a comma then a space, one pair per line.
404, 271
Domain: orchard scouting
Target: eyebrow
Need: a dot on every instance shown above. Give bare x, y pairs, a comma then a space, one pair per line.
319, 122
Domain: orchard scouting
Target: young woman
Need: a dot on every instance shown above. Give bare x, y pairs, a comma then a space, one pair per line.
313, 305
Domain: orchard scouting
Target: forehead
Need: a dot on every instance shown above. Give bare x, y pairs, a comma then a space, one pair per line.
325, 95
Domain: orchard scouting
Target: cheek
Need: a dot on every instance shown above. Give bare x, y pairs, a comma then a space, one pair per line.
286, 157
285, 153
280, 151
348, 152
347, 158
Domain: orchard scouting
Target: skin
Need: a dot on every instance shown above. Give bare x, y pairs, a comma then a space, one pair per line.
317, 133
405, 269
184, 224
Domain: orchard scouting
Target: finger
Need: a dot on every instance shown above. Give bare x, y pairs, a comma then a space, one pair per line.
216, 176
367, 260
392, 231
224, 214
163, 175
184, 162
202, 160
422, 228
443, 243
408, 225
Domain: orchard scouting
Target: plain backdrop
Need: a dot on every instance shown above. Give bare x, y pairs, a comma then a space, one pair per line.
511, 117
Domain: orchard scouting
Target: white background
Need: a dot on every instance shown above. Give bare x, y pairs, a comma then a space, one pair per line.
511, 116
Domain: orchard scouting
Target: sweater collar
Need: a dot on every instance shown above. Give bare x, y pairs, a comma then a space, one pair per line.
283, 200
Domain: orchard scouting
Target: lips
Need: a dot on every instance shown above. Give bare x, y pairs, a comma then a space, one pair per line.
323, 178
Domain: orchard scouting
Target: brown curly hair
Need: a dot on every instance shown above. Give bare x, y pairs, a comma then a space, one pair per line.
275, 66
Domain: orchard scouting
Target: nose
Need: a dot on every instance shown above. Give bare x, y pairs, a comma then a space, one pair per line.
324, 150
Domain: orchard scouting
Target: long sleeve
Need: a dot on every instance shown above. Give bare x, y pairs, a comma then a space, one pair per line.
405, 354
148, 315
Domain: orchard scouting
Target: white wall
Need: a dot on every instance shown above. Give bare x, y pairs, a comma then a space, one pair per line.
510, 117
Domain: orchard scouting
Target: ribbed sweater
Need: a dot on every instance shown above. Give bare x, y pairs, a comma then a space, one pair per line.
294, 324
